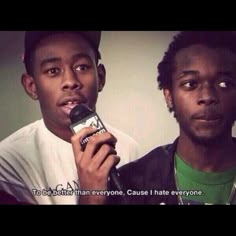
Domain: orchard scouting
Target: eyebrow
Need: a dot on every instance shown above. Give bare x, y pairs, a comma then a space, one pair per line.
188, 72
58, 59
195, 72
228, 73
81, 56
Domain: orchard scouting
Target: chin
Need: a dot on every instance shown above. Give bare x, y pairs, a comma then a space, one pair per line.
63, 123
208, 139
66, 123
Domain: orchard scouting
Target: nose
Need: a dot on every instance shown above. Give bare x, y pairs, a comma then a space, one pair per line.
70, 81
208, 95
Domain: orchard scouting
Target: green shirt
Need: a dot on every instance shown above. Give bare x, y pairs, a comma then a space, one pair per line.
216, 186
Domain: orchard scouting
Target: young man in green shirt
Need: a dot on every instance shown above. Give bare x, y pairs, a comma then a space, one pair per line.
198, 78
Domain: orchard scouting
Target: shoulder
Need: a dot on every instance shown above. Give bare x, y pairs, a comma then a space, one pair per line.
22, 141
154, 171
22, 133
17, 152
154, 156
151, 168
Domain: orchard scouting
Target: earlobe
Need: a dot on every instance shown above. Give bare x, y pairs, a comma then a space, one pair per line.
100, 88
101, 77
28, 83
168, 98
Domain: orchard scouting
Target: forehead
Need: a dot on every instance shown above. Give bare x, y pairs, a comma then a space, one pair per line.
200, 53
62, 43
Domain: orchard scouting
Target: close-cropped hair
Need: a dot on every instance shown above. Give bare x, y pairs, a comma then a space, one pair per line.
211, 39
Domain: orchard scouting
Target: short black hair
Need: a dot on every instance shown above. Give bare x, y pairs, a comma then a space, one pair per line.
212, 39
32, 38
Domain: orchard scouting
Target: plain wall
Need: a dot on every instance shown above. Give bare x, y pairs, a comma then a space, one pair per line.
130, 100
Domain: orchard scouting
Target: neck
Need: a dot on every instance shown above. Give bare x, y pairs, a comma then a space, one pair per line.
211, 157
62, 133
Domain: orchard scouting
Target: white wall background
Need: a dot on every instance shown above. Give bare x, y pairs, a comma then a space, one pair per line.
130, 101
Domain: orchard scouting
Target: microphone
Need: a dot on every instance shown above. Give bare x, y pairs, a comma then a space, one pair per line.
82, 116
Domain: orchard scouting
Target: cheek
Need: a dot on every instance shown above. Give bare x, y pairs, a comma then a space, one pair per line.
229, 104
45, 93
183, 106
47, 96
183, 102
91, 93
230, 109
92, 96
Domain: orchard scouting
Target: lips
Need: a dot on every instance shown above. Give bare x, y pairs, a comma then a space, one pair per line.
67, 104
207, 116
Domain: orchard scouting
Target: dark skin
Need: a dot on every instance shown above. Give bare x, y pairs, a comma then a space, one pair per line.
64, 69
65, 74
203, 97
94, 166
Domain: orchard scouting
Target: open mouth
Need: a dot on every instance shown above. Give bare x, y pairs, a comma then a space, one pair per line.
68, 106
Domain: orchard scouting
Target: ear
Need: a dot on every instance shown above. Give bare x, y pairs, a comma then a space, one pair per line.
101, 77
168, 98
28, 83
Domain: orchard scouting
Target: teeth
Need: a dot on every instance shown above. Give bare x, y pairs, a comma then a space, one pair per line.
71, 103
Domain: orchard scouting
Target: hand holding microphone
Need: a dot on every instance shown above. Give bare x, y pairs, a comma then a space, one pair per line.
94, 150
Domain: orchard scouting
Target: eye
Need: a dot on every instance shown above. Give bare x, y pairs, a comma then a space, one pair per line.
227, 84
81, 67
223, 85
189, 84
53, 71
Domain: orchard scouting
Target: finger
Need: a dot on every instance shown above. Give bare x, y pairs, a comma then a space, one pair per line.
110, 161
104, 151
76, 141
96, 141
